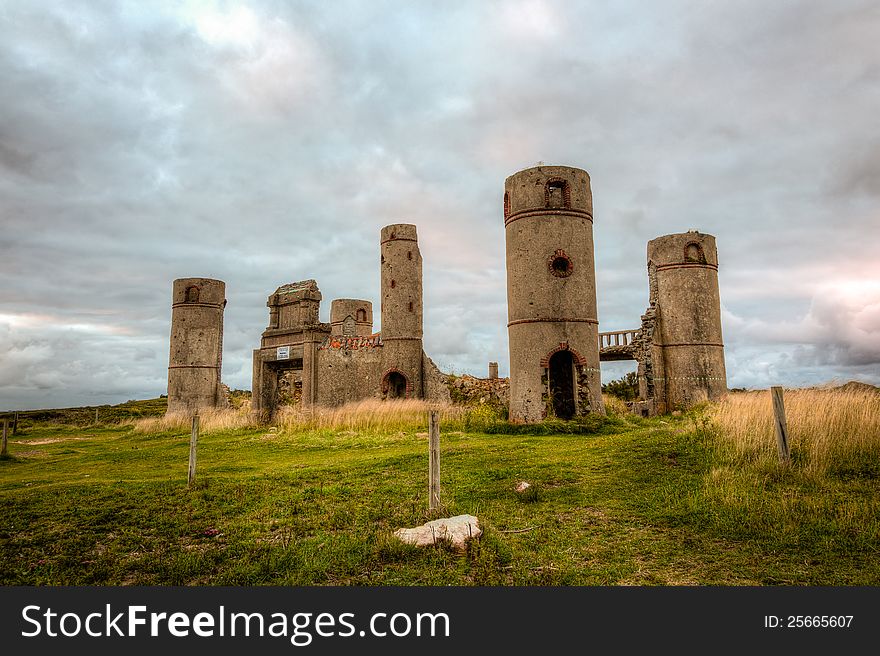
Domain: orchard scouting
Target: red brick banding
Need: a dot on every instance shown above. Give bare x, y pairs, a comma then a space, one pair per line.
687, 265
563, 346
553, 320
554, 211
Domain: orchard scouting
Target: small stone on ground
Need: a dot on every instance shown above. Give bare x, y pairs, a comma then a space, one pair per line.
455, 530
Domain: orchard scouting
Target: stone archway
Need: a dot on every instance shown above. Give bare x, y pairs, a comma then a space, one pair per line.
561, 379
395, 385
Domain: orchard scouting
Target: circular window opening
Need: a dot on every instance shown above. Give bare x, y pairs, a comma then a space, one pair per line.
561, 265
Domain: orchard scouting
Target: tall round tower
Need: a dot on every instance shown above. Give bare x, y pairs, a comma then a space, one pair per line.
196, 344
401, 312
683, 276
551, 294
351, 317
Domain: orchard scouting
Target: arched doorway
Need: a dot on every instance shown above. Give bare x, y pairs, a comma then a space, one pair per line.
394, 385
561, 368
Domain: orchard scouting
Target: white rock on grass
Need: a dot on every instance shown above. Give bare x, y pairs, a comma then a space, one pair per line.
455, 530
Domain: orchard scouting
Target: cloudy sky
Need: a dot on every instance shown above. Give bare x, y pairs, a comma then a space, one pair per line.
267, 142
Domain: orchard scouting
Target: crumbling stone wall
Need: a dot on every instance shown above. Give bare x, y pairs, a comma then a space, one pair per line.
468, 390
344, 361
349, 369
290, 387
436, 388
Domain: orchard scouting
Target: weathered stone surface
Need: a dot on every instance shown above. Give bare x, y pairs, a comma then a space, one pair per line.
436, 389
470, 390
351, 317
522, 486
344, 361
196, 345
687, 354
455, 530
551, 294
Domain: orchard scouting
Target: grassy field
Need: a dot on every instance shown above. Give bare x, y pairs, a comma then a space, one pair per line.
314, 501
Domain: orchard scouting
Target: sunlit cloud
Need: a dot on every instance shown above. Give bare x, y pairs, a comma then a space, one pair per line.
534, 19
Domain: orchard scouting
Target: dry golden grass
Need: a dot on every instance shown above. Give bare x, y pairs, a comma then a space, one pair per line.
210, 421
369, 415
614, 406
828, 428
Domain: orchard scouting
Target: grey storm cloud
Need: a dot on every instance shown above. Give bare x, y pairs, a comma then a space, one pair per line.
265, 142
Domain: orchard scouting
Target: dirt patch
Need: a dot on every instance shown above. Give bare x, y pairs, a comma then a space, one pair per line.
52, 440
33, 453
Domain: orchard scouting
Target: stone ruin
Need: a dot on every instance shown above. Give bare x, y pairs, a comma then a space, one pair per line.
555, 343
311, 363
553, 329
196, 345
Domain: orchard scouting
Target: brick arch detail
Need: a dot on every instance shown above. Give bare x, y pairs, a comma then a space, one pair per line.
395, 370
563, 346
566, 192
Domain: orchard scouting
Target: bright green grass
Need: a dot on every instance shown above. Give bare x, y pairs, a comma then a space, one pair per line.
645, 502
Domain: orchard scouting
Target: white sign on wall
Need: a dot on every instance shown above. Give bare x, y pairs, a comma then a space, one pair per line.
282, 353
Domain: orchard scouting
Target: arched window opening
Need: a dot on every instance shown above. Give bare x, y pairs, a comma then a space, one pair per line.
693, 252
192, 294
361, 315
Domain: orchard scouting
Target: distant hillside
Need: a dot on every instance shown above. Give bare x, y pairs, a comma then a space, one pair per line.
86, 414
856, 386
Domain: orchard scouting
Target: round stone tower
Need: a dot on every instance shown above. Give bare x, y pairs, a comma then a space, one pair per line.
551, 294
683, 277
401, 312
351, 317
196, 344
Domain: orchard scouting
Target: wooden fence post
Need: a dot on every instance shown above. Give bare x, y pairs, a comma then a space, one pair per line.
3, 448
781, 427
434, 461
15, 423
193, 439
96, 415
